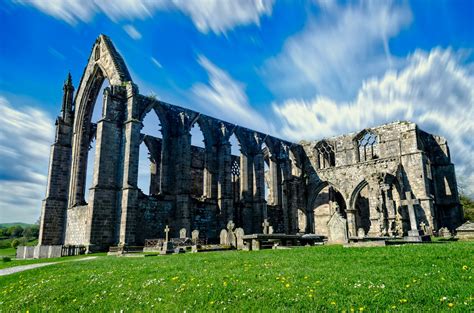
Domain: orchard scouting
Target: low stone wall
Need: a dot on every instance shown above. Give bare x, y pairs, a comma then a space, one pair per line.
44, 252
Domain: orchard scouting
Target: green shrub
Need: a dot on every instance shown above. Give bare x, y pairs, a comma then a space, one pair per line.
15, 243
6, 259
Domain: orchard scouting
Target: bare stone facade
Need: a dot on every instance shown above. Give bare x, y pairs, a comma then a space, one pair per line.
364, 176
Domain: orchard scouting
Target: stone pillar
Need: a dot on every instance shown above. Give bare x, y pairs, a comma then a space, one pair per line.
131, 149
294, 206
375, 206
275, 181
285, 193
183, 179
224, 186
258, 192
103, 193
246, 190
54, 206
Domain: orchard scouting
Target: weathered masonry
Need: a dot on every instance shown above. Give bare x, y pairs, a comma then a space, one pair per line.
371, 178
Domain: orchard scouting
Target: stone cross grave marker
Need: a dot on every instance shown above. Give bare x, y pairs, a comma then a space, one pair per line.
167, 230
266, 226
182, 233
410, 202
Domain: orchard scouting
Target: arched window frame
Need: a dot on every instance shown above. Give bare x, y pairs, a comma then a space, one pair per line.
325, 155
366, 142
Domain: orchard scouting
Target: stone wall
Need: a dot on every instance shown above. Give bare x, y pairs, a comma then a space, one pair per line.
76, 225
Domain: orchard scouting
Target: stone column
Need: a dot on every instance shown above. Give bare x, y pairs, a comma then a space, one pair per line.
54, 206
131, 149
183, 179
224, 186
246, 190
103, 193
258, 192
275, 181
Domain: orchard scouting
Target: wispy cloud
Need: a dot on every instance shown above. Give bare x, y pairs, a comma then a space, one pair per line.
132, 32
435, 90
337, 50
225, 98
155, 61
208, 16
25, 137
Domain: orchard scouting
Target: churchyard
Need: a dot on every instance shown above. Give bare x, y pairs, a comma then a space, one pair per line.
412, 278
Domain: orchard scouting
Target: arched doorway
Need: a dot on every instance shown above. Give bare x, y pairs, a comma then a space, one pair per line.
327, 201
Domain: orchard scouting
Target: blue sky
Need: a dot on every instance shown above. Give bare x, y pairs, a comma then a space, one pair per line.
295, 69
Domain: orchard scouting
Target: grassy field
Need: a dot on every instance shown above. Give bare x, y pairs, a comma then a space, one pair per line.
10, 252
412, 278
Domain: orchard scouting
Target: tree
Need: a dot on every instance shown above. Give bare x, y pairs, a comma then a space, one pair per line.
468, 206
15, 231
15, 243
31, 232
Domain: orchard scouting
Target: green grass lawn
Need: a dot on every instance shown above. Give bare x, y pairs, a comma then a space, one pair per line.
10, 252
415, 278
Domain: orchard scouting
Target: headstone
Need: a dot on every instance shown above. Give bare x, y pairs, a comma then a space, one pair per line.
444, 232
182, 233
230, 234
195, 235
265, 226
224, 239
361, 233
270, 230
239, 234
337, 229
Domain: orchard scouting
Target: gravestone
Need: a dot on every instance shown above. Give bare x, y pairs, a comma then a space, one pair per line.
361, 233
224, 239
265, 226
167, 245
239, 234
270, 230
337, 229
195, 235
230, 234
182, 233
444, 232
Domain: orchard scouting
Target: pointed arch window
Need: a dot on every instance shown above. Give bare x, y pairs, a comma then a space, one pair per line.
325, 155
366, 144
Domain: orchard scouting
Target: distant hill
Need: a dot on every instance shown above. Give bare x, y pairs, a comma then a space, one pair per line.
6, 225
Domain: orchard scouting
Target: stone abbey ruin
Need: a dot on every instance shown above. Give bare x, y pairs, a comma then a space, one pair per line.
392, 181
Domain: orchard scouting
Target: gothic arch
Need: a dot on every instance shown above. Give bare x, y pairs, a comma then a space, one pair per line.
104, 63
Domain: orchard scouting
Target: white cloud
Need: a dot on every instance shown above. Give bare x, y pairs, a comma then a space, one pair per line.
207, 15
225, 98
434, 90
132, 32
155, 61
219, 16
337, 49
25, 138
